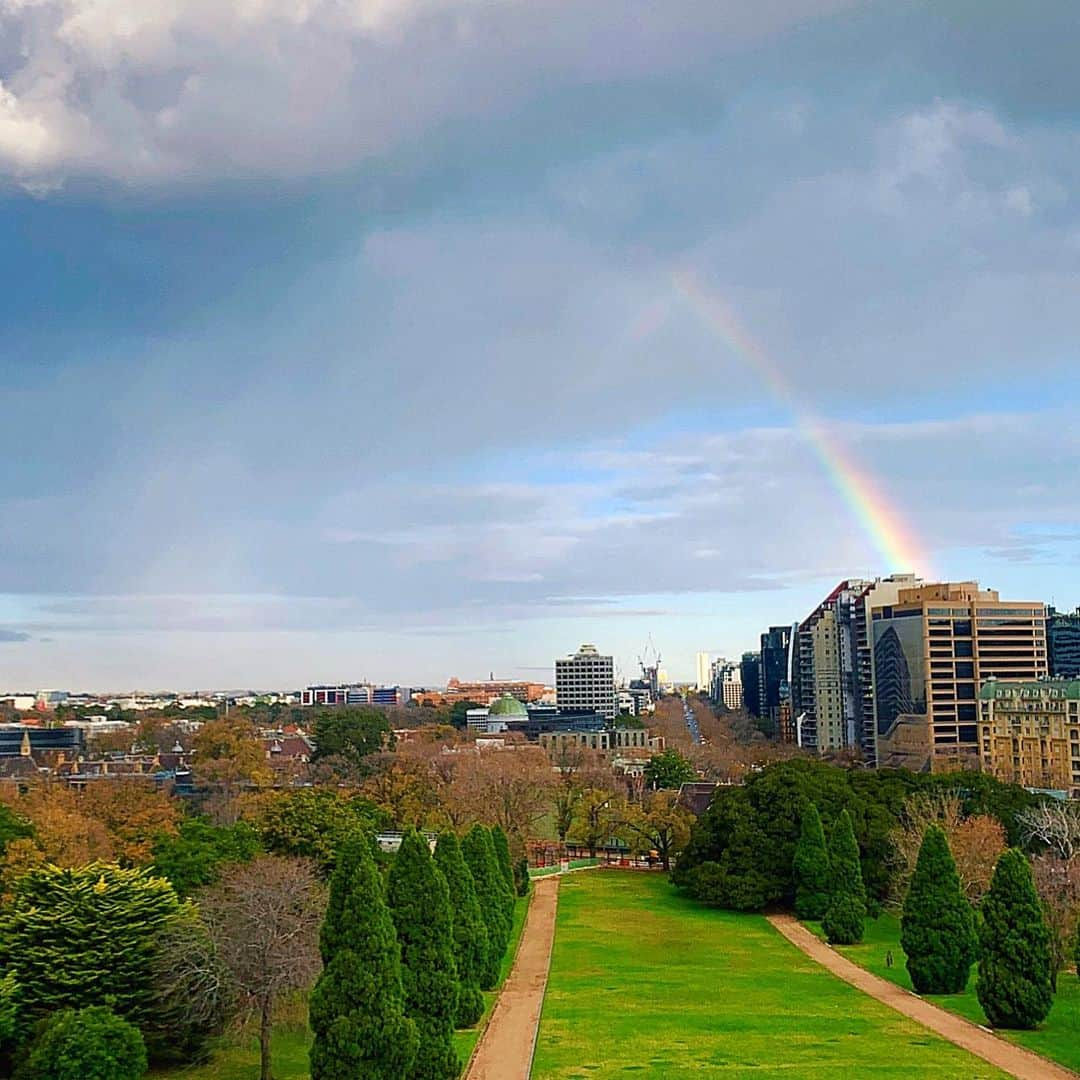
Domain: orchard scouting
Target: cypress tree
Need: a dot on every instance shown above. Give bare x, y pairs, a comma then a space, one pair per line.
1014, 985
470, 933
843, 920
811, 865
357, 1008
479, 855
420, 905
506, 868
937, 928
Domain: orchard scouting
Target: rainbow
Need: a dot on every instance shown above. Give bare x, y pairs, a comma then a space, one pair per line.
870, 505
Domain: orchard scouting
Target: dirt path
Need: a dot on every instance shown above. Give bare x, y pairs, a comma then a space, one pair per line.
505, 1051
1013, 1059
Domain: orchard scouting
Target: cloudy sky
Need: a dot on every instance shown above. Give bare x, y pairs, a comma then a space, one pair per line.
352, 338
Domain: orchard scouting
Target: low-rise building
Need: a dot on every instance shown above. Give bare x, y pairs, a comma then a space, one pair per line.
1029, 733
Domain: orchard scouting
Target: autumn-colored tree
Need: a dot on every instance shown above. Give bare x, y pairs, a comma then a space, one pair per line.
658, 824
576, 769
263, 917
134, 812
404, 787
64, 834
508, 787
228, 757
599, 813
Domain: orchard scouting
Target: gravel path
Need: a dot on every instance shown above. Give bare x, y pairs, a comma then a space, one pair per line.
1014, 1060
505, 1051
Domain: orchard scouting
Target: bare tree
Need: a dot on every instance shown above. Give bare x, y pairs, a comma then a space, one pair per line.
1054, 825
264, 918
1058, 883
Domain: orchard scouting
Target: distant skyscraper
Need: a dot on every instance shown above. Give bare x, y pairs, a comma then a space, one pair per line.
586, 680
750, 670
702, 671
1063, 643
774, 671
935, 647
725, 684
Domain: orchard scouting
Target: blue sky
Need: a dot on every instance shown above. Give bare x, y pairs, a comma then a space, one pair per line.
341, 340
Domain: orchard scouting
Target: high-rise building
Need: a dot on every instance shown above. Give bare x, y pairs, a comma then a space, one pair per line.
1063, 643
702, 672
774, 675
1029, 733
931, 652
750, 671
725, 684
586, 680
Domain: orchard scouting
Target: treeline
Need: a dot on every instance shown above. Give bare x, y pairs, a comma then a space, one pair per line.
741, 851
108, 965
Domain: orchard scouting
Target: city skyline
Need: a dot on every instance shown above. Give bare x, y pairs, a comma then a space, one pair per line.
661, 325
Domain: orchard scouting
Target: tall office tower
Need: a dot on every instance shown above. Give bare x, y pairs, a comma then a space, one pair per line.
586, 680
702, 672
750, 671
932, 651
1029, 734
1063, 643
775, 671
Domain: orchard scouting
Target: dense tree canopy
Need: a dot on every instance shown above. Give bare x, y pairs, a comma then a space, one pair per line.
350, 734
669, 770
193, 856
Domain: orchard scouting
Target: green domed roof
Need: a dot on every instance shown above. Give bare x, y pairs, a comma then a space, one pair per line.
509, 707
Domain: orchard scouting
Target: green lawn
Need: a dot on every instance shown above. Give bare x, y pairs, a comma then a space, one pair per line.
1059, 1036
645, 982
237, 1057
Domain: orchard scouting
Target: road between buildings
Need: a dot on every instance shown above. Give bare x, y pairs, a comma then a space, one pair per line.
505, 1051
1013, 1059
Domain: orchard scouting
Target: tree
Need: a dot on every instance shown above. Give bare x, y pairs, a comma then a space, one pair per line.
357, 1009
228, 758
404, 788
419, 902
597, 818
521, 876
577, 769
811, 866
262, 917
350, 734
87, 937
1054, 825
844, 917
311, 822
9, 1006
1014, 966
1057, 881
134, 812
658, 824
937, 929
669, 770
87, 1044
479, 853
506, 868
470, 933
194, 856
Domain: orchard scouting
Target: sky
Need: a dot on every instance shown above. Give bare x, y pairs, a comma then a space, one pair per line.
402, 339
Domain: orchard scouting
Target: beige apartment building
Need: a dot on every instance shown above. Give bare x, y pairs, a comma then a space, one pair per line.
1029, 733
932, 651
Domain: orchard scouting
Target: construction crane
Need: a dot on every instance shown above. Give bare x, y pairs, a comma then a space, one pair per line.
650, 672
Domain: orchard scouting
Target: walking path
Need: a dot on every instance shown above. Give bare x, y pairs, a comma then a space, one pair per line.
1015, 1060
505, 1051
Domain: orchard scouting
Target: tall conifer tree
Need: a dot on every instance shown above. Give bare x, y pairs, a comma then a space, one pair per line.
357, 1008
419, 901
937, 929
811, 866
470, 933
479, 854
845, 915
1014, 986
506, 868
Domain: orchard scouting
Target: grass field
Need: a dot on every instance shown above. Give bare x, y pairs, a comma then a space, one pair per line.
1059, 1036
237, 1057
649, 984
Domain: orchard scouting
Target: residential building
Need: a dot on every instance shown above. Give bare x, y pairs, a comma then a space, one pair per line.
1063, 643
725, 684
1029, 733
935, 646
750, 677
701, 671
586, 681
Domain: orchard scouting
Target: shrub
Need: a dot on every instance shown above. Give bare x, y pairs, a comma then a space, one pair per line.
357, 1009
419, 902
470, 933
521, 877
86, 1044
937, 929
1014, 968
811, 866
845, 915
